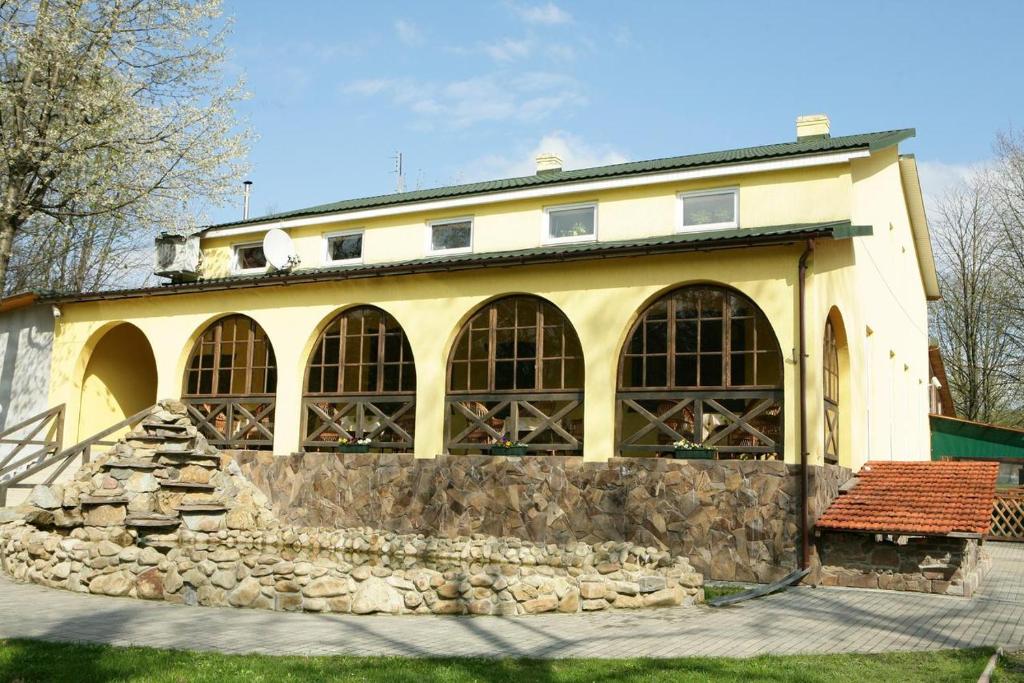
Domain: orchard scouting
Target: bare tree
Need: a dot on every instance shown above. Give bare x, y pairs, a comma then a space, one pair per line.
111, 108
972, 322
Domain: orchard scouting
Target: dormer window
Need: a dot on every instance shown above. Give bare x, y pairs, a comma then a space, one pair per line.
343, 247
709, 210
249, 258
450, 236
570, 223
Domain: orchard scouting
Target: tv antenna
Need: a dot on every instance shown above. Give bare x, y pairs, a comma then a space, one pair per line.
400, 172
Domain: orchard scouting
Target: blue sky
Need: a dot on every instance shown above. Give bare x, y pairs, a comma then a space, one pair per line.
473, 90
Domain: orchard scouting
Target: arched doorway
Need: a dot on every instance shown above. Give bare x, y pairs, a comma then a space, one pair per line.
516, 374
835, 375
119, 379
230, 384
361, 384
701, 363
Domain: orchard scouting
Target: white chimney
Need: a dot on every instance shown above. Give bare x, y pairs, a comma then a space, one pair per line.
548, 162
812, 126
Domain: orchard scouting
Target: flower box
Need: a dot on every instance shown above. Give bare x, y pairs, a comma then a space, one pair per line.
354, 447
508, 450
695, 454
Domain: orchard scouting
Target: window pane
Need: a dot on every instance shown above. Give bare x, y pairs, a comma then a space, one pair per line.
710, 335
251, 256
709, 208
711, 370
686, 371
504, 375
526, 374
345, 247
742, 369
686, 336
656, 374
657, 337
552, 374
451, 235
460, 376
571, 222
768, 369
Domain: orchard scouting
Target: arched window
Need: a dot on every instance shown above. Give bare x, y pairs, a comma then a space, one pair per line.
702, 364
361, 383
830, 356
515, 374
230, 381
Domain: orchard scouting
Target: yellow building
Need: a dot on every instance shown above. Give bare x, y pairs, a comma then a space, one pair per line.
760, 302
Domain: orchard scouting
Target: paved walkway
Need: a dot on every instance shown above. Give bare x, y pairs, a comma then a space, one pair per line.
801, 620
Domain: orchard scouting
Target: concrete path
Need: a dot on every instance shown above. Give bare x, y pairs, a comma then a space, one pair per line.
801, 620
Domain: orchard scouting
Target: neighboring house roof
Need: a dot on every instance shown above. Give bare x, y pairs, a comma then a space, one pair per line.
921, 498
16, 301
695, 241
957, 438
938, 371
803, 147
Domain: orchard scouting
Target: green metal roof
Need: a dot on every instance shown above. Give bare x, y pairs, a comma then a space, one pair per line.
965, 439
804, 147
680, 242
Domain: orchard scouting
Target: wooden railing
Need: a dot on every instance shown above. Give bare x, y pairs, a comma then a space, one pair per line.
544, 423
40, 434
737, 423
1008, 516
387, 421
43, 460
238, 422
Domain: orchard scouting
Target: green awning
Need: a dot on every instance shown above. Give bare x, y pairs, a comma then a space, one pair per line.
965, 439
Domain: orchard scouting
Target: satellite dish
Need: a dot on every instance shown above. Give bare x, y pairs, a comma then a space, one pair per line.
279, 250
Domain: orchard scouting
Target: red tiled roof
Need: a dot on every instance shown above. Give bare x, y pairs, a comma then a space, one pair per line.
933, 498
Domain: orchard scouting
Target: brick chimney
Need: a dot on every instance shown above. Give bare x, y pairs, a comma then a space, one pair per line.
548, 162
812, 126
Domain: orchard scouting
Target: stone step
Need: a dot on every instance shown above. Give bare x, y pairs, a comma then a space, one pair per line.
130, 464
173, 484
102, 500
166, 425
153, 521
202, 507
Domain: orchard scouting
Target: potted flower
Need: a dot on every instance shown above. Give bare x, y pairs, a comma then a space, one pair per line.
350, 445
688, 450
507, 446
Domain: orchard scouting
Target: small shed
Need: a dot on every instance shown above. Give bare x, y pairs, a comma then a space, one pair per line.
913, 526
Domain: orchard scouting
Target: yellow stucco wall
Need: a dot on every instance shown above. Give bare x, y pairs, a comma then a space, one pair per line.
109, 393
873, 282
773, 198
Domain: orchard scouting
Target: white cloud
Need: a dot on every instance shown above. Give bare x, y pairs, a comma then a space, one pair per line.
531, 96
408, 32
508, 49
938, 177
574, 151
548, 14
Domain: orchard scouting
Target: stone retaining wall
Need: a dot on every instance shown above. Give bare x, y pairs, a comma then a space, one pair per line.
734, 520
926, 564
339, 571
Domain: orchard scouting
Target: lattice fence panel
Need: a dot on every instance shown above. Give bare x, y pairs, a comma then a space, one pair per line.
1008, 516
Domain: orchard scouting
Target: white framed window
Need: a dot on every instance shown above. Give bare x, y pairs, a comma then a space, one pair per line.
343, 247
709, 209
570, 223
248, 258
450, 236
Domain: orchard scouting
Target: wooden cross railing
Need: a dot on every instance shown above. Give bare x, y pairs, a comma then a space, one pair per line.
543, 422
40, 434
239, 422
1008, 516
14, 475
740, 423
388, 421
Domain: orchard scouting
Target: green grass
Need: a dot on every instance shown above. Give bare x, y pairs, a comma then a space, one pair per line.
31, 660
718, 590
1010, 668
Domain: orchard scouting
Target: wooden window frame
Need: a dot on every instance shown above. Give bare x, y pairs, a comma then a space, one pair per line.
726, 353
830, 392
213, 336
340, 323
539, 357
328, 236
